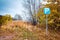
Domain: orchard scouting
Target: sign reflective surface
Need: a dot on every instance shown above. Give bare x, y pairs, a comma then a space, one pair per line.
46, 10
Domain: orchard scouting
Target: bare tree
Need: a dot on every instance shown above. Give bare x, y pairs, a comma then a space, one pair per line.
30, 6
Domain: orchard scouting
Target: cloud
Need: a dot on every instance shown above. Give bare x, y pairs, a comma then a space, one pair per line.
11, 7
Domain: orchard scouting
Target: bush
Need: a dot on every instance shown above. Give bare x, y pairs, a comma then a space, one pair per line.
53, 18
5, 19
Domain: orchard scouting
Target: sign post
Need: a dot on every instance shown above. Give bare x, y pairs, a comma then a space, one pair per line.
46, 12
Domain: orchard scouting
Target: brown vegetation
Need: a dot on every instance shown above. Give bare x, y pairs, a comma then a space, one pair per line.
19, 30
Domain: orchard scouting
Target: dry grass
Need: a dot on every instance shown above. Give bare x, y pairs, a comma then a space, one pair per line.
18, 30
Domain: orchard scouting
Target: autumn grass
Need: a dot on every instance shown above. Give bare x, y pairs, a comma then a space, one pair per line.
21, 33
24, 34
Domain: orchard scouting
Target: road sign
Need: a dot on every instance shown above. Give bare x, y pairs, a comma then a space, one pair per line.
46, 11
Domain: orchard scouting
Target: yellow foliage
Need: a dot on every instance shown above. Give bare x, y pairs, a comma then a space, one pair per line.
5, 19
53, 18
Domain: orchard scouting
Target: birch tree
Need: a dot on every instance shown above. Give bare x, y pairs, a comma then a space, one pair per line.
30, 6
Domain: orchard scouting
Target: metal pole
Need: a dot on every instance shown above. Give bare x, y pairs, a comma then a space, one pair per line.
46, 27
46, 24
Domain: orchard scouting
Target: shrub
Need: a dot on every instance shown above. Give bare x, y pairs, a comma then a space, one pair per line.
53, 18
4, 19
